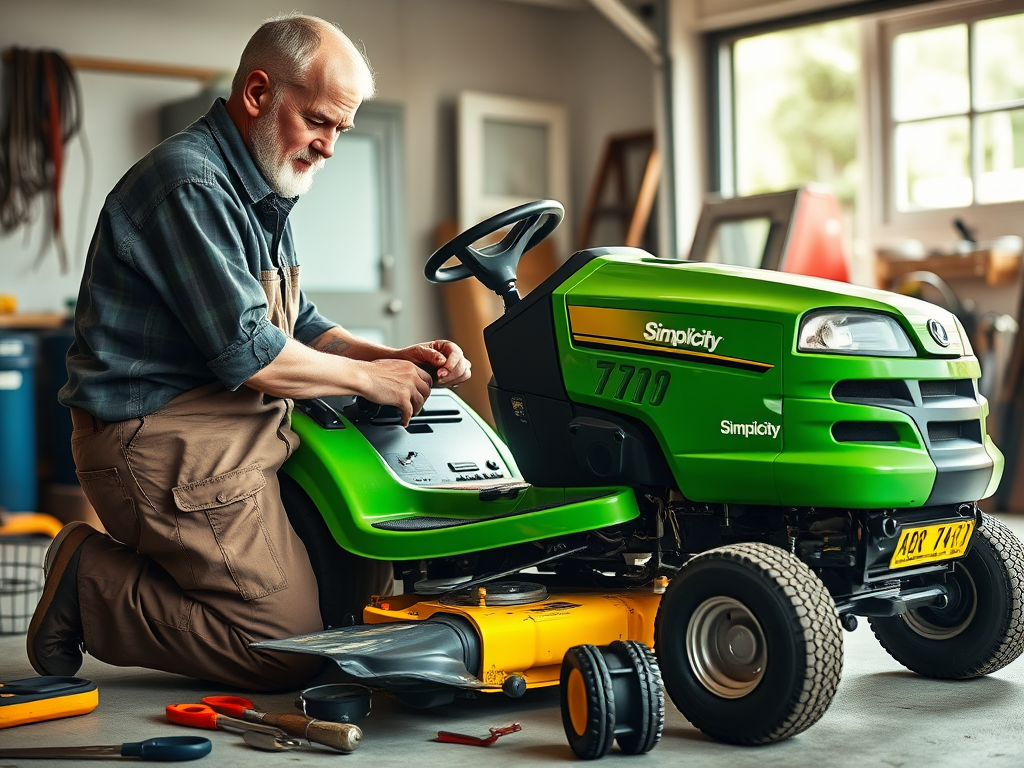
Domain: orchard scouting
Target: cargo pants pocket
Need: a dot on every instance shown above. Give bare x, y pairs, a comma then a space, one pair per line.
231, 505
114, 505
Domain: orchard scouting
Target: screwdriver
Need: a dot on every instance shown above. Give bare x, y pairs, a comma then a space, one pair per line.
166, 749
344, 737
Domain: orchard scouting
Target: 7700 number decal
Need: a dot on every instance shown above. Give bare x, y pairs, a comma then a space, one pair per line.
633, 382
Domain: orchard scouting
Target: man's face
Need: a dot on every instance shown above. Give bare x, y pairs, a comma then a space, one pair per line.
296, 135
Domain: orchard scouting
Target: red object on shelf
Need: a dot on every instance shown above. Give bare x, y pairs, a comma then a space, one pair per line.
815, 245
797, 231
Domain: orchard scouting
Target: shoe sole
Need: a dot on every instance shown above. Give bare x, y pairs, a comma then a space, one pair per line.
57, 543
67, 547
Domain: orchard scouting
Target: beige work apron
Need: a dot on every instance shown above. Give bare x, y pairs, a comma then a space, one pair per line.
201, 559
282, 289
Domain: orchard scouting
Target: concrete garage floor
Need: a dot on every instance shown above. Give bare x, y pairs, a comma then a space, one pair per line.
882, 715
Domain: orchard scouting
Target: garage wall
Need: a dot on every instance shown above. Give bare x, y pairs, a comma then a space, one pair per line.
424, 53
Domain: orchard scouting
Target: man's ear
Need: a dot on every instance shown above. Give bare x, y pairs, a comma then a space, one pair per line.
256, 93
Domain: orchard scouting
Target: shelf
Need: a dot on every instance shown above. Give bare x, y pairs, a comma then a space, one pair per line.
29, 320
995, 266
99, 64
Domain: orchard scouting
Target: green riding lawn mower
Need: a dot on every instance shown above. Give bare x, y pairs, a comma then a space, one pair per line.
726, 465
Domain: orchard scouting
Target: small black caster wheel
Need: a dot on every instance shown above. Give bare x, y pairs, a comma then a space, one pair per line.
611, 693
514, 686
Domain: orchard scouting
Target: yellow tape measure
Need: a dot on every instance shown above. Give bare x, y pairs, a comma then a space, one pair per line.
45, 698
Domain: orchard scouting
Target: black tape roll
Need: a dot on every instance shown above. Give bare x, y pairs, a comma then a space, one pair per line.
336, 703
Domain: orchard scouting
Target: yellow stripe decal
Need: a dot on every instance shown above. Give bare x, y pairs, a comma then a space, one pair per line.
606, 341
601, 321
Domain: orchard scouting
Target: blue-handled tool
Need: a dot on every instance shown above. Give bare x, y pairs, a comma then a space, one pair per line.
166, 749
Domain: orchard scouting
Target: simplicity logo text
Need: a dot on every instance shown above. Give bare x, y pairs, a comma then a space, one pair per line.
689, 337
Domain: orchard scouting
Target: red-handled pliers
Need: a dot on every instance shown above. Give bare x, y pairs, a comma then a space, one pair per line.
204, 716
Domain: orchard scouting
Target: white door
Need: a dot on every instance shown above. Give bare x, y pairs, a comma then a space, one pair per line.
349, 228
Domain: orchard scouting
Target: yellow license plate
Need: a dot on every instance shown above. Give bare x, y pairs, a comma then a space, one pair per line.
932, 543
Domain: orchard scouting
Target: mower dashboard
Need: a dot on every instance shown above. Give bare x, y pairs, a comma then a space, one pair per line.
443, 445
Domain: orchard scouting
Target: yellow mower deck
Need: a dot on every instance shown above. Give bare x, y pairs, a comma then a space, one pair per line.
531, 639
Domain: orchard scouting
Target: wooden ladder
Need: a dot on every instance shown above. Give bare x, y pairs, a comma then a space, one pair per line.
631, 208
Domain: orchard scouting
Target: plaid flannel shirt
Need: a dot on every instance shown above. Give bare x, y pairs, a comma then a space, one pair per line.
171, 296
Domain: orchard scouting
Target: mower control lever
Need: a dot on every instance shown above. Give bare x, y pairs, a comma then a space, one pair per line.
361, 409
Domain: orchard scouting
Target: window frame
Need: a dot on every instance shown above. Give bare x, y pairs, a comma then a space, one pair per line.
878, 36
721, 90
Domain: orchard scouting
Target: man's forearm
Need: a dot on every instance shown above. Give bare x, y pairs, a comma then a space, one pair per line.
301, 372
338, 341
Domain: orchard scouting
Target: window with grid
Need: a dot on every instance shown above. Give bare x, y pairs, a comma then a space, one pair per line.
956, 109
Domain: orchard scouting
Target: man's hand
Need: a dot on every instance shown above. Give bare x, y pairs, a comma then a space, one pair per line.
400, 383
336, 363
442, 358
301, 372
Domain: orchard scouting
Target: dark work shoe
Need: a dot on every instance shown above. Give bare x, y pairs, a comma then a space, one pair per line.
55, 636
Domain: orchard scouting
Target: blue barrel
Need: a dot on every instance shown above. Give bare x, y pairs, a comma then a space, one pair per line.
18, 483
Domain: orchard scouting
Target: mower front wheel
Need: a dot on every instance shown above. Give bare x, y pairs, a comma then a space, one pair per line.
981, 627
749, 644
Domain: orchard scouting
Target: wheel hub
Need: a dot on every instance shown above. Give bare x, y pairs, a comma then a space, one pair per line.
948, 621
742, 645
726, 647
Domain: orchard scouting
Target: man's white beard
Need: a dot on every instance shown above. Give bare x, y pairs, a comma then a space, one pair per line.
275, 166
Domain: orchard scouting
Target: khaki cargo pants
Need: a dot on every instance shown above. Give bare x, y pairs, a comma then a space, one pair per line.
201, 559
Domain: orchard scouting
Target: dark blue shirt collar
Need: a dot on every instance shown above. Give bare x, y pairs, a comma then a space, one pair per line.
240, 158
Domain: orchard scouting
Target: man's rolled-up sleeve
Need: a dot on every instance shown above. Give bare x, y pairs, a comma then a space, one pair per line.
310, 323
196, 260
239, 362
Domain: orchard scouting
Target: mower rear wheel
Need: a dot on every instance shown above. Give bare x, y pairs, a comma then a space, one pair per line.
749, 644
981, 628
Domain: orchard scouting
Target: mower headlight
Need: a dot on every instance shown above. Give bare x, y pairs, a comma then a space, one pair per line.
852, 332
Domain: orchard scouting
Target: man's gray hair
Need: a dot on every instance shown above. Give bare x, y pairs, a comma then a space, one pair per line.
284, 46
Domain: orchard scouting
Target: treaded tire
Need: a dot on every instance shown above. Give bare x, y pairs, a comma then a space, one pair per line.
586, 684
639, 728
786, 622
982, 628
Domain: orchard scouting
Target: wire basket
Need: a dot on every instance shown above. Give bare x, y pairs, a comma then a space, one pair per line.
21, 580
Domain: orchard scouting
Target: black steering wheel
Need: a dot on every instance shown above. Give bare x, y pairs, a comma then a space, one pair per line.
495, 265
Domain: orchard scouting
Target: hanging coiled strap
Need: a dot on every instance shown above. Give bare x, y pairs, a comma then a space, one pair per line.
43, 114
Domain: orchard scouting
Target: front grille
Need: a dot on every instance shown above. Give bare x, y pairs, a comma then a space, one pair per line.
868, 390
865, 432
954, 430
947, 388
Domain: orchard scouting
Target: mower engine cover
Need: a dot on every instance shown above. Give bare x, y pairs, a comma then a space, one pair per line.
816, 393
